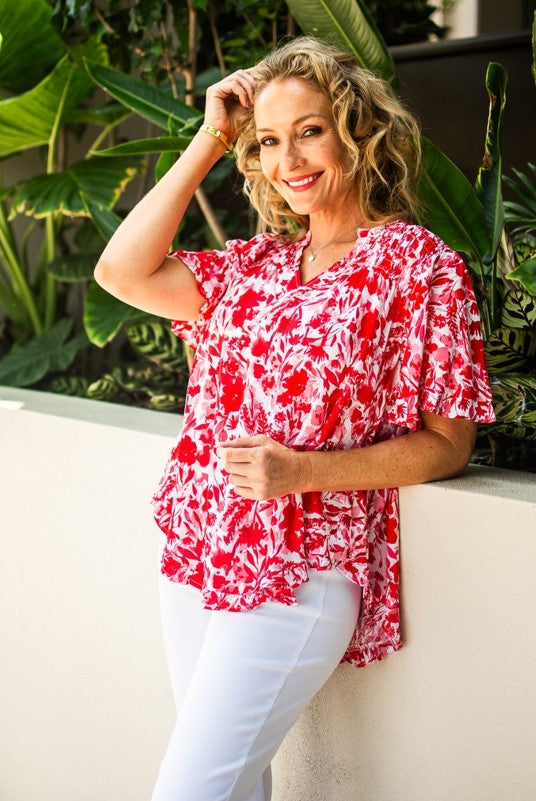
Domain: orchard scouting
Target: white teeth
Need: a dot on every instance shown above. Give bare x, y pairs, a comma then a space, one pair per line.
304, 181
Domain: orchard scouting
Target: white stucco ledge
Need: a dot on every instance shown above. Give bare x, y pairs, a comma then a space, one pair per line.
84, 692
89, 411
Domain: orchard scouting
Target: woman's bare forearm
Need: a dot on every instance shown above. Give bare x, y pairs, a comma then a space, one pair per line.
409, 459
260, 468
141, 242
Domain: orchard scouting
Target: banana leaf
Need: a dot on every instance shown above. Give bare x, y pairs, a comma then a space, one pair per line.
32, 118
28, 362
489, 179
453, 210
64, 192
149, 102
31, 45
349, 24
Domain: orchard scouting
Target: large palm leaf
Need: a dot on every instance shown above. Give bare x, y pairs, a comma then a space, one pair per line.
149, 102
33, 118
347, 23
31, 46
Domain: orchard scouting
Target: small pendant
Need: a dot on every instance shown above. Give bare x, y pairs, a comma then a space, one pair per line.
311, 258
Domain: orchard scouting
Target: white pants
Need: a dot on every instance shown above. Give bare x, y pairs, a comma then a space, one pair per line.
240, 681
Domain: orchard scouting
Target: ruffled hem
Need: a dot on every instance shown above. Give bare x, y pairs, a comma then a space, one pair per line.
370, 653
280, 591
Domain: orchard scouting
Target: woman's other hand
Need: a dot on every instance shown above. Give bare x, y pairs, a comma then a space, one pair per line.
228, 100
260, 468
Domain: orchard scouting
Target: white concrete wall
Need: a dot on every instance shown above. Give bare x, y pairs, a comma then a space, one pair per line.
85, 703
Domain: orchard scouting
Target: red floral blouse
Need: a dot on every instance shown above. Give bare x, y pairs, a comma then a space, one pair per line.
343, 361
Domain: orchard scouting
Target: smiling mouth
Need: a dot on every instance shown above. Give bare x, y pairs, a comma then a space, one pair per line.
300, 184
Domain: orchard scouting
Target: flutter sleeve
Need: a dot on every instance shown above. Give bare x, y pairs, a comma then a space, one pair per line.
442, 367
213, 271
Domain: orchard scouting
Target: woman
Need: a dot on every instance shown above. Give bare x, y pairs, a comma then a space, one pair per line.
332, 366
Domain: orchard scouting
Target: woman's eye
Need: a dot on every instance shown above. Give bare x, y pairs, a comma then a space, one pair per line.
269, 140
312, 131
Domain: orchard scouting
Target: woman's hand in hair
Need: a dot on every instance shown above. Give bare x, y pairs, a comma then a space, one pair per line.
228, 101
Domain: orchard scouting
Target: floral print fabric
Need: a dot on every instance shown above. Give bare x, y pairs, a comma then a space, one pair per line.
347, 359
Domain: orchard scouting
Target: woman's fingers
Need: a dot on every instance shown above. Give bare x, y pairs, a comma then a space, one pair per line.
260, 468
239, 83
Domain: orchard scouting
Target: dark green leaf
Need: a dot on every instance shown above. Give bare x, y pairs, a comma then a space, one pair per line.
105, 220
106, 388
74, 385
104, 315
148, 101
489, 180
164, 163
109, 114
73, 267
140, 147
28, 362
156, 342
453, 211
526, 274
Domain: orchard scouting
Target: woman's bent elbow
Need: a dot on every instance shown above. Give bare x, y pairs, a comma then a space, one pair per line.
104, 277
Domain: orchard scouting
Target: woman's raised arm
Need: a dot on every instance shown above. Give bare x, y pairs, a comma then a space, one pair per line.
134, 266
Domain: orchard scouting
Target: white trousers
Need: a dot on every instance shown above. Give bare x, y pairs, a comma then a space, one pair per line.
240, 681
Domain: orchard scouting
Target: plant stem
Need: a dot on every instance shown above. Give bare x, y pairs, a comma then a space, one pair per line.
212, 221
50, 290
50, 281
17, 273
189, 77
493, 295
216, 39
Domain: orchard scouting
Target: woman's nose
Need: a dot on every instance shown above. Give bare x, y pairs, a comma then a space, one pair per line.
290, 156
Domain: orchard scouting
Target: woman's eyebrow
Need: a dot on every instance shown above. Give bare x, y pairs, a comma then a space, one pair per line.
297, 121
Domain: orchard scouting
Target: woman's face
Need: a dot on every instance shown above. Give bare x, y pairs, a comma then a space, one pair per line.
300, 150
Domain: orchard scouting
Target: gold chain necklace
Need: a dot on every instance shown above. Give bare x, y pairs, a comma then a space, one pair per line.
314, 253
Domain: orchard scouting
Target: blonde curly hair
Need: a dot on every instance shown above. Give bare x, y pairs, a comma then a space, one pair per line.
382, 138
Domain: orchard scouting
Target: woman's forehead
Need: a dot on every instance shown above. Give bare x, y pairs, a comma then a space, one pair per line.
290, 98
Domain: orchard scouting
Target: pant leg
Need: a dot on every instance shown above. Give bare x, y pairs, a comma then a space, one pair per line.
255, 673
184, 624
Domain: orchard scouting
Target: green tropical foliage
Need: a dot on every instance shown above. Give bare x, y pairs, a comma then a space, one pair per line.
51, 101
154, 60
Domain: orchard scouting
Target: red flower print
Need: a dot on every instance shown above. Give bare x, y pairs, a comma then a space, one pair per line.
296, 382
347, 362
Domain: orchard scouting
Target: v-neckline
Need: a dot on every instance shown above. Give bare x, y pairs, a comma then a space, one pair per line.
302, 244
